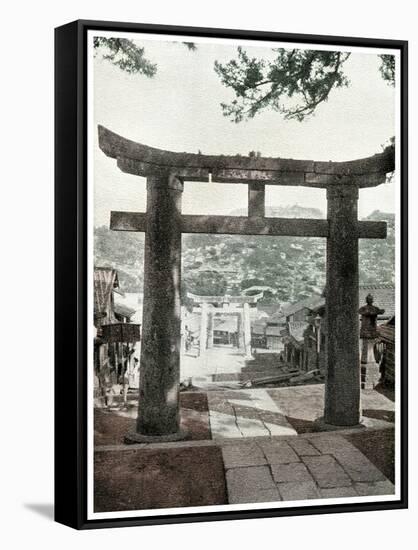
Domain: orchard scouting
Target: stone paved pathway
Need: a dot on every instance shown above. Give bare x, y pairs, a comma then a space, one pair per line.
266, 460
270, 412
205, 368
299, 468
246, 413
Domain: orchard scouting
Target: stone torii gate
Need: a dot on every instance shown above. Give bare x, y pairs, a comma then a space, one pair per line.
225, 305
163, 224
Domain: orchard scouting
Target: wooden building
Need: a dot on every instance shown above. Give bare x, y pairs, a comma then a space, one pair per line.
386, 334
225, 331
316, 334
293, 340
113, 346
299, 311
273, 337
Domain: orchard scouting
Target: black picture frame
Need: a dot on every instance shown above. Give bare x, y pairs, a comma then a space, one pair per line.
71, 273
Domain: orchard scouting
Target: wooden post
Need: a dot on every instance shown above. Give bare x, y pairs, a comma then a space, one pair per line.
247, 330
211, 326
342, 387
203, 328
158, 409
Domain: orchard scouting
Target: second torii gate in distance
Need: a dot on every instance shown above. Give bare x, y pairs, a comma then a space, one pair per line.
163, 224
225, 305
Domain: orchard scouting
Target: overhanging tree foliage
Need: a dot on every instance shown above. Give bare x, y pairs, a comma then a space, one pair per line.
294, 83
126, 55
387, 68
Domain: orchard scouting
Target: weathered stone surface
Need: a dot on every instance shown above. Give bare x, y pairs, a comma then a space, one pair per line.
240, 225
256, 200
290, 472
385, 487
329, 444
251, 427
158, 411
338, 492
357, 466
243, 225
223, 425
299, 490
253, 484
266, 495
163, 223
326, 471
303, 447
280, 426
242, 454
342, 471
278, 452
342, 387
139, 159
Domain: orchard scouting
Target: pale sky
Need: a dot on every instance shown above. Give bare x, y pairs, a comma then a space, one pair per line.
179, 110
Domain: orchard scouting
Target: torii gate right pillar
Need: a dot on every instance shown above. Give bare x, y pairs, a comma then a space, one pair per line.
342, 388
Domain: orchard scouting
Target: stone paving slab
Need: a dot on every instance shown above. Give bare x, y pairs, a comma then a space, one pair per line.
326, 471
303, 447
357, 466
278, 452
385, 487
299, 490
330, 443
253, 413
223, 426
279, 428
251, 427
283, 473
253, 484
237, 456
338, 492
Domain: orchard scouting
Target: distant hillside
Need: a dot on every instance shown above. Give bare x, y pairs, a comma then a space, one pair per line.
294, 211
377, 256
213, 264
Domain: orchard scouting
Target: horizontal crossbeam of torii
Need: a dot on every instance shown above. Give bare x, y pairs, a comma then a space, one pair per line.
240, 225
163, 223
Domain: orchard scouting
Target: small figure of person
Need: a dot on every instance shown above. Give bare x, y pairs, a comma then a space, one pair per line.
134, 374
125, 386
188, 339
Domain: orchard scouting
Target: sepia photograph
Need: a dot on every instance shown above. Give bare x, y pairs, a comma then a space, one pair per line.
207, 250
244, 283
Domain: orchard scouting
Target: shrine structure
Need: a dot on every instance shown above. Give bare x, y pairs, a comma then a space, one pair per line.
164, 223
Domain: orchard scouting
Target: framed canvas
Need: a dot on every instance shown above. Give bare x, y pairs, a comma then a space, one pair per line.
231, 274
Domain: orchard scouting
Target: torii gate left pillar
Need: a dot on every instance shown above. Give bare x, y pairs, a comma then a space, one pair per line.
158, 413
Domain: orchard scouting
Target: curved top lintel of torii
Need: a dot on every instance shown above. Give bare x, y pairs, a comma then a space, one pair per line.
236, 300
142, 160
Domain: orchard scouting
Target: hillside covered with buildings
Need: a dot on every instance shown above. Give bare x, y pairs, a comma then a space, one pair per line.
288, 268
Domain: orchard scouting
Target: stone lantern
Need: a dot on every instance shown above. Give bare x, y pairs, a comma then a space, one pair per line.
370, 374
